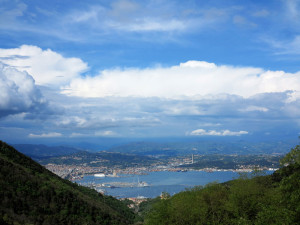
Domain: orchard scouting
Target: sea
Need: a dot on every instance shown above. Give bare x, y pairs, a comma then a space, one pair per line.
155, 182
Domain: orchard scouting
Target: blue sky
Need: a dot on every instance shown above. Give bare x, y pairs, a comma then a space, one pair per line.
88, 70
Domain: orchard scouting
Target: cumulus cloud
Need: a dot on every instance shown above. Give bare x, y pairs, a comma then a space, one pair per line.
18, 92
46, 66
293, 96
192, 78
202, 132
45, 135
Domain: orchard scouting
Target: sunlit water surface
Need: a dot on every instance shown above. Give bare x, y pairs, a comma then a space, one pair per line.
163, 181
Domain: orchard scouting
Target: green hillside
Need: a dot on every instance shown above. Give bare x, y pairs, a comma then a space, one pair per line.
30, 194
251, 199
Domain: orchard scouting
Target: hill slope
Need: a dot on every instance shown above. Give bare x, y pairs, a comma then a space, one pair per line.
30, 194
273, 199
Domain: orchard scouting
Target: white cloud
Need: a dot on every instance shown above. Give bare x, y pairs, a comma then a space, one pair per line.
293, 96
252, 108
45, 135
202, 132
106, 133
193, 78
74, 121
46, 66
147, 24
18, 92
285, 47
132, 16
183, 109
127, 16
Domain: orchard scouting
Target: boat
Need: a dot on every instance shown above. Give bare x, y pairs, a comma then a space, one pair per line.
142, 183
99, 175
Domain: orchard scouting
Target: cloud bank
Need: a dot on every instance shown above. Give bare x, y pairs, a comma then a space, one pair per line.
159, 101
45, 66
189, 79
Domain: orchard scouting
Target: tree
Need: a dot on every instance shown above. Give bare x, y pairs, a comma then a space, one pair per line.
292, 158
290, 182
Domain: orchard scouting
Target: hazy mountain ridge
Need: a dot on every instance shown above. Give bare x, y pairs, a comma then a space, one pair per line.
35, 151
165, 148
205, 147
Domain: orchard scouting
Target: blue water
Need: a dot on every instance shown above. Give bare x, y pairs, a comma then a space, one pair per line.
164, 181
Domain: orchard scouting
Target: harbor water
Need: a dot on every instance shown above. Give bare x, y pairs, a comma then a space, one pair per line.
154, 183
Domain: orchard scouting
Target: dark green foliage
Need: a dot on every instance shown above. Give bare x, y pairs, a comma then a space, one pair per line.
290, 181
30, 194
251, 199
145, 207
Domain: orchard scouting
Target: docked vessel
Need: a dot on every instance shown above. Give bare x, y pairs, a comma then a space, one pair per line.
142, 183
99, 175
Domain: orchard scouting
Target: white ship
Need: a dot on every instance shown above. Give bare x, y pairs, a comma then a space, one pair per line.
142, 183
99, 175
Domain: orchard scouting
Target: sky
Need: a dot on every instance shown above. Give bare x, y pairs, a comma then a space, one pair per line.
80, 71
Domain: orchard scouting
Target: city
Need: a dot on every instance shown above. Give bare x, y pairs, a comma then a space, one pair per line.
173, 164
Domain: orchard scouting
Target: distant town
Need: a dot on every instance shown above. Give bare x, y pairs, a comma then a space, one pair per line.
73, 168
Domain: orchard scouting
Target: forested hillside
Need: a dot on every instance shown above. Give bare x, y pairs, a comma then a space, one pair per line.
30, 194
251, 199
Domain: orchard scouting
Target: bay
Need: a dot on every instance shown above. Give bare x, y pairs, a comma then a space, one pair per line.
162, 181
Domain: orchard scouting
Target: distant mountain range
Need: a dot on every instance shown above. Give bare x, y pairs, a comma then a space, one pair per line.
205, 147
34, 151
165, 149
